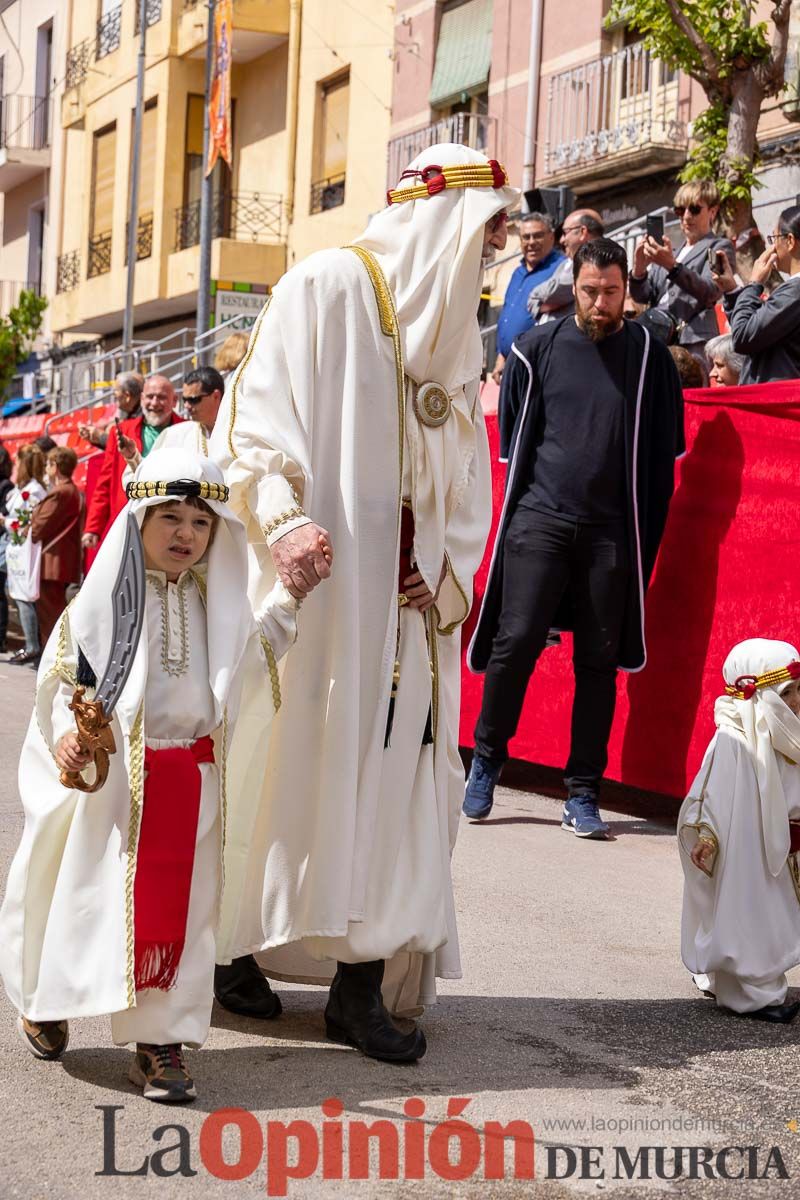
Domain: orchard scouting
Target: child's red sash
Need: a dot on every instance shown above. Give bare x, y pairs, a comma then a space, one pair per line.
165, 860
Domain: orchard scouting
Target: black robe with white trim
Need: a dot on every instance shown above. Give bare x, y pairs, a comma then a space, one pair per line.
653, 440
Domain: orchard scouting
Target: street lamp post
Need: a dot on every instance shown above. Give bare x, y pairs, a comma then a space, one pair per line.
133, 212
206, 202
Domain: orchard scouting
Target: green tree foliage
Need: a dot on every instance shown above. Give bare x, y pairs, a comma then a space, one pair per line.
17, 334
738, 62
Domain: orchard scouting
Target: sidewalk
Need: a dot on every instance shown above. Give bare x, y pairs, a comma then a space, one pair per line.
574, 1015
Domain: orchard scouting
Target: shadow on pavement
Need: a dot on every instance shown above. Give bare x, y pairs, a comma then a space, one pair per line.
475, 1044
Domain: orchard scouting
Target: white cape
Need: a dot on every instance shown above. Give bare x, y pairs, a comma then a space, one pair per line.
320, 381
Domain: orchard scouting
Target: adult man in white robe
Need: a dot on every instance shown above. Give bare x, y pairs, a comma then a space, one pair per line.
354, 419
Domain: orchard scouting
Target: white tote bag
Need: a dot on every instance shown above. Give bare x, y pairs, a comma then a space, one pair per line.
23, 569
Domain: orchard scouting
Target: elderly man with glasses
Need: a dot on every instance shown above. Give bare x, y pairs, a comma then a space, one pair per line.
682, 281
540, 260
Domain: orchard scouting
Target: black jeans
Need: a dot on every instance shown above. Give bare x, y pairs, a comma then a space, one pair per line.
543, 556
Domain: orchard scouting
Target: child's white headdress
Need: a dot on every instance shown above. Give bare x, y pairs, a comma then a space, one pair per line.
755, 673
162, 477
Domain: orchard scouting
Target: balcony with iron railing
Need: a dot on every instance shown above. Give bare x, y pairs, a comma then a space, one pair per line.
109, 32
98, 256
79, 58
467, 129
153, 14
240, 216
144, 237
327, 193
68, 271
615, 118
25, 136
256, 24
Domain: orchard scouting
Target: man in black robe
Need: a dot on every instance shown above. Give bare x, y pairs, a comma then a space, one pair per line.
591, 420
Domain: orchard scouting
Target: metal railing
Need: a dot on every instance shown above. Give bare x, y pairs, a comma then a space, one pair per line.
152, 14
109, 32
468, 129
327, 193
144, 237
242, 216
78, 59
620, 101
25, 122
98, 258
68, 271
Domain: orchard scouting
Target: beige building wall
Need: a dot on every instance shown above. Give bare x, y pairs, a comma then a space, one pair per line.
30, 148
249, 251
336, 37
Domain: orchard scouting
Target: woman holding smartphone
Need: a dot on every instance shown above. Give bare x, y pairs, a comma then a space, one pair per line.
768, 331
682, 281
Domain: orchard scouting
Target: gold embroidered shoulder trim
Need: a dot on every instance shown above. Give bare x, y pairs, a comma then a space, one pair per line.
240, 371
283, 519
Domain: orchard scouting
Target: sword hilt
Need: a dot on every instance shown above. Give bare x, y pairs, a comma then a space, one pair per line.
95, 737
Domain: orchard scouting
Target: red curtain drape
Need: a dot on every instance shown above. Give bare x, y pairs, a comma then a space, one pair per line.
726, 571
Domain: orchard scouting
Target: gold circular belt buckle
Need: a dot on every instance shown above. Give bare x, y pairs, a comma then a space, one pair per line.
432, 404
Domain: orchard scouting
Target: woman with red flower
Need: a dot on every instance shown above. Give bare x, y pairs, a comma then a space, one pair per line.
20, 504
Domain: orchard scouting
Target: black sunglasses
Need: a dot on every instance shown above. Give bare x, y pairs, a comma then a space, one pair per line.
196, 399
694, 209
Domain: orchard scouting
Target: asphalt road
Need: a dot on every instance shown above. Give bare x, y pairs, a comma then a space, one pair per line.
574, 1016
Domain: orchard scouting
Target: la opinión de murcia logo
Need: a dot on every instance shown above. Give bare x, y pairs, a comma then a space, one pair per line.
234, 1145
414, 1149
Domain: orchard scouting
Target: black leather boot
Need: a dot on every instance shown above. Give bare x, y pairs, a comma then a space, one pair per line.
777, 1014
355, 1016
242, 989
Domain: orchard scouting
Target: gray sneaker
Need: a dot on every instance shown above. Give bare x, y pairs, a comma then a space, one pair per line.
160, 1071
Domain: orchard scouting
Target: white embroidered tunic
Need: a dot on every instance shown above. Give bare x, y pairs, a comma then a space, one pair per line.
179, 704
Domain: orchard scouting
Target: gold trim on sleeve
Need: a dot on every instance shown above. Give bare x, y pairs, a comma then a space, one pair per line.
447, 630
285, 517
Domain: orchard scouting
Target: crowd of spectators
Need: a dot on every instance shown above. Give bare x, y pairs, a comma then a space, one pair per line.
721, 330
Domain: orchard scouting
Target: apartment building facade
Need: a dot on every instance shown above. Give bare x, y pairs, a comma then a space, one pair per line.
32, 43
560, 99
310, 117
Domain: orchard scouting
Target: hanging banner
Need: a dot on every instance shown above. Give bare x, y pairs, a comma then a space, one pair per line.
219, 106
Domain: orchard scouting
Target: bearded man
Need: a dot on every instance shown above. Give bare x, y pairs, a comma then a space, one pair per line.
354, 445
592, 421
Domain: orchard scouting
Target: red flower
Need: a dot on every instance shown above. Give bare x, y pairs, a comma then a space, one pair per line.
15, 525
25, 495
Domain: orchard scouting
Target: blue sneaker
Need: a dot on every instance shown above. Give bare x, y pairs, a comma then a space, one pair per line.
479, 794
581, 815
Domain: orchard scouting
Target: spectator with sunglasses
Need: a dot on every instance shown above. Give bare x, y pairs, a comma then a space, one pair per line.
768, 331
202, 394
681, 281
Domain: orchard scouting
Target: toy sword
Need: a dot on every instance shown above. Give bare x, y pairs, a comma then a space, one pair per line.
93, 717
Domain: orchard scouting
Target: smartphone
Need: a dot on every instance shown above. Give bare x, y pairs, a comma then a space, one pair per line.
714, 261
654, 227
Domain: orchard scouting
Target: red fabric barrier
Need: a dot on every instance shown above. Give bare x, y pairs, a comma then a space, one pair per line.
727, 571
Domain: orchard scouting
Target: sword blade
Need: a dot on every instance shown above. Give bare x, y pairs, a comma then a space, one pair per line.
128, 601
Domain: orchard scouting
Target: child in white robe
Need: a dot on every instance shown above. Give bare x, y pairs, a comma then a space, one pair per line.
114, 898
738, 832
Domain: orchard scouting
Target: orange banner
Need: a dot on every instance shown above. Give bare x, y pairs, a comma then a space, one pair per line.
219, 107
